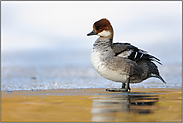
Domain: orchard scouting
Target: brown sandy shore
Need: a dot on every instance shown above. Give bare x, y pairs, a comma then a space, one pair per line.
79, 104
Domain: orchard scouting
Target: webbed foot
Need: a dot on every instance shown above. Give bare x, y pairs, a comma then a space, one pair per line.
117, 89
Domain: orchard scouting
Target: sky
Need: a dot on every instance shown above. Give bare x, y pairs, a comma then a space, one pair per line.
45, 30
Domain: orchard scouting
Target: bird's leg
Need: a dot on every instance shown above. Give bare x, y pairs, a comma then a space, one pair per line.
123, 89
123, 85
128, 84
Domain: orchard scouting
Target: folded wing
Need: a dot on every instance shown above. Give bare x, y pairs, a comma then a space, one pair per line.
129, 51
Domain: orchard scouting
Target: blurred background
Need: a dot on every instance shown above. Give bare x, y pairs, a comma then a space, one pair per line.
44, 44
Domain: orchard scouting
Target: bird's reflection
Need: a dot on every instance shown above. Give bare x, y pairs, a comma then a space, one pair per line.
114, 105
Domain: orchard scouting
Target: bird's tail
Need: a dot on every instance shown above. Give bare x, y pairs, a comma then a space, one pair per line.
159, 77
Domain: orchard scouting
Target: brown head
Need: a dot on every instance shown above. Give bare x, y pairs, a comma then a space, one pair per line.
102, 28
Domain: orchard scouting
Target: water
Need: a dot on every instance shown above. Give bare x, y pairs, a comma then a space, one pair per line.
137, 107
48, 70
97, 105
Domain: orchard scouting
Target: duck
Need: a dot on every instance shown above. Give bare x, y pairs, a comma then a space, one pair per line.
120, 62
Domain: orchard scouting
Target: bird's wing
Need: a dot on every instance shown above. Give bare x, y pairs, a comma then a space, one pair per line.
126, 50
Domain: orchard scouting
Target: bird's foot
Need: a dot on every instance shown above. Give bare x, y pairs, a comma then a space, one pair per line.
117, 89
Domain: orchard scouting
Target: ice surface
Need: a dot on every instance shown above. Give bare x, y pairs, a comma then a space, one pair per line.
28, 78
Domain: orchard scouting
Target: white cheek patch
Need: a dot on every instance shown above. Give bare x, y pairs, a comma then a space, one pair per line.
104, 33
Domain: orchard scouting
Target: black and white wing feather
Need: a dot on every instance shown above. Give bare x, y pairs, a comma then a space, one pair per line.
129, 51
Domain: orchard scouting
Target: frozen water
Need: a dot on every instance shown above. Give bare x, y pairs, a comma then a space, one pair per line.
77, 75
